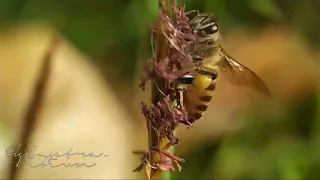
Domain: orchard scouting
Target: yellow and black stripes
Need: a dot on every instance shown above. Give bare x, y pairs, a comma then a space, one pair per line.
198, 93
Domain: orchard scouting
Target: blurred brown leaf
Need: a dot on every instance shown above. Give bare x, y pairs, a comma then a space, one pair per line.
80, 110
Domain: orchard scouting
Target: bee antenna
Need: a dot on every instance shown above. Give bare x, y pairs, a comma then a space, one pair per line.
188, 13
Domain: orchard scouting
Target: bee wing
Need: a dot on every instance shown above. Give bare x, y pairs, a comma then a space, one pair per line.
241, 75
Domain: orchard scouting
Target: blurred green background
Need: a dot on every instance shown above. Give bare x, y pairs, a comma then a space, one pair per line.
105, 29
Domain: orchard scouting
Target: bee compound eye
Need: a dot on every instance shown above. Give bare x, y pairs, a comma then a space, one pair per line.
211, 29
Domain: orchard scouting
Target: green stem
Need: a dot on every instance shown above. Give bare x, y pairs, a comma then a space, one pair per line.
161, 50
166, 175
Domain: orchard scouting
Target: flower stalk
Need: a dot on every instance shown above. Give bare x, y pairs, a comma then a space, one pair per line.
171, 36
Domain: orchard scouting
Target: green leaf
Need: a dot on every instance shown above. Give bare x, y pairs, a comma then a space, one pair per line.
288, 169
267, 8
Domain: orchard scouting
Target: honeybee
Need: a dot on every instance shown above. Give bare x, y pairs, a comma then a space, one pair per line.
210, 59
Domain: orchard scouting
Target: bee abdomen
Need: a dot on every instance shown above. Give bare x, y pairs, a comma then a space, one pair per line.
202, 107
205, 98
194, 117
211, 87
198, 109
199, 96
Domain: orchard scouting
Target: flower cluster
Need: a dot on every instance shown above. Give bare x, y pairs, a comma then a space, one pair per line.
180, 35
165, 114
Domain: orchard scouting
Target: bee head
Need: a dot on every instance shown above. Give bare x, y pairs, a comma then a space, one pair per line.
206, 27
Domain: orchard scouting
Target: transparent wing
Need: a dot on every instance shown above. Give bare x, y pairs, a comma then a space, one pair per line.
241, 75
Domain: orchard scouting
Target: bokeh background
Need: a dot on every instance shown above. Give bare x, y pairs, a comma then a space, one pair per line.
93, 100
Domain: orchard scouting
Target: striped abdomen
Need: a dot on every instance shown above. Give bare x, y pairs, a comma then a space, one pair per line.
198, 95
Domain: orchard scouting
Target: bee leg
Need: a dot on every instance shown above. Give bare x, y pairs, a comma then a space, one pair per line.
184, 107
159, 89
184, 81
180, 93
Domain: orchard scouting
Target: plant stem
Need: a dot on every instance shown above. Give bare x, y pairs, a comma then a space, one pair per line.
33, 110
161, 50
166, 175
